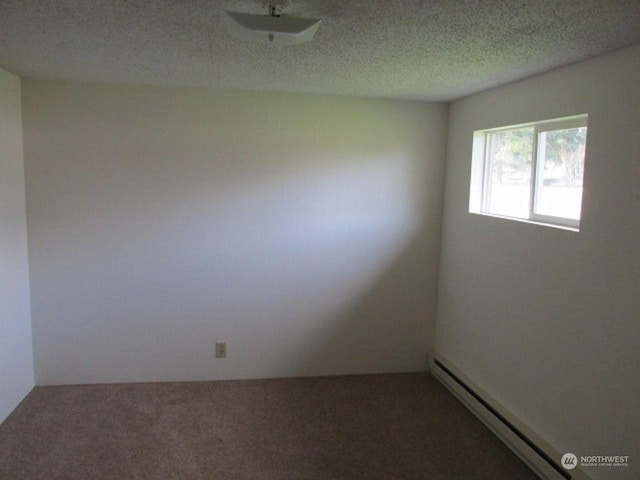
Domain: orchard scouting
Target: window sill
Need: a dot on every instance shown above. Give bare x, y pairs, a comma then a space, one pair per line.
526, 220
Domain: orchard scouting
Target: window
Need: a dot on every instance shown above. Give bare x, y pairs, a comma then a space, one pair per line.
532, 172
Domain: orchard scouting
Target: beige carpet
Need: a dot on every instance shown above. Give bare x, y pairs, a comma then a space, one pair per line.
404, 426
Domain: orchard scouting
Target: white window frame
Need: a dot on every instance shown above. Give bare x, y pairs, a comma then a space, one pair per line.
481, 172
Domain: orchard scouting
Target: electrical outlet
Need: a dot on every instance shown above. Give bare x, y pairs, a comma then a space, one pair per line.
221, 350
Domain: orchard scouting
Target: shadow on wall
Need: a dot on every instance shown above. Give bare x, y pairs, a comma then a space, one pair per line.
386, 327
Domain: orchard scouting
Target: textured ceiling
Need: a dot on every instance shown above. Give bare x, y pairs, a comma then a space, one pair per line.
428, 50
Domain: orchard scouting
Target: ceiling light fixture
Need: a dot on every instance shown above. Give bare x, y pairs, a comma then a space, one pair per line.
273, 28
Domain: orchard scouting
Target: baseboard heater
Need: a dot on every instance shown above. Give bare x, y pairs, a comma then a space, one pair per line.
541, 457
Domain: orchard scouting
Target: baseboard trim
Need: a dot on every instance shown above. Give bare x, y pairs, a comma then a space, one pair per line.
541, 457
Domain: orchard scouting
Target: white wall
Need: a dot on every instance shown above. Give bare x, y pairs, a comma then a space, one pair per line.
304, 231
16, 356
548, 321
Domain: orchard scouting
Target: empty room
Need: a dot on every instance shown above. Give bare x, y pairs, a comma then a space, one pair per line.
320, 240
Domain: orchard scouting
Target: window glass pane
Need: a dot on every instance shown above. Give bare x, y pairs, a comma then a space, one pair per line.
560, 169
509, 177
